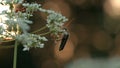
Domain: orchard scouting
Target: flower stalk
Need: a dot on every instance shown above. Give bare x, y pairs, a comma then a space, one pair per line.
15, 55
39, 29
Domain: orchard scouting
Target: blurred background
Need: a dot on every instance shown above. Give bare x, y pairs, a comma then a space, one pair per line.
94, 41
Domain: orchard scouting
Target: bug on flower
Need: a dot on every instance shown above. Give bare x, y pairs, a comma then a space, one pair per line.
64, 40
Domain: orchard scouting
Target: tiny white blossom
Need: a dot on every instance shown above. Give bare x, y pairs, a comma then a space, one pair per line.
50, 11
26, 48
42, 10
40, 45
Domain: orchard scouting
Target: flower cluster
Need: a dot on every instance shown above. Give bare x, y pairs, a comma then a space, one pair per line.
31, 40
31, 7
11, 2
55, 22
18, 22
19, 18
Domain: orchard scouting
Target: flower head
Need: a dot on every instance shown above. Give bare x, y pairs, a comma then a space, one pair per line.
31, 40
55, 22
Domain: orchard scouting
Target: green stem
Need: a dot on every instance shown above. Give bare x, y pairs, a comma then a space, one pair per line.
40, 29
45, 33
15, 55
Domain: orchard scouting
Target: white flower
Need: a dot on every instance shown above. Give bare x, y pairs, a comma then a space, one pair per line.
42, 10
26, 48
55, 22
50, 11
40, 45
11, 1
17, 1
31, 40
32, 7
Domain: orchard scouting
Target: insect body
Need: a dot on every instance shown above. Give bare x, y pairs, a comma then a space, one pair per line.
64, 40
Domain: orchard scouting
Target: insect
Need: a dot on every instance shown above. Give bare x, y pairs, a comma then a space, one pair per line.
64, 40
